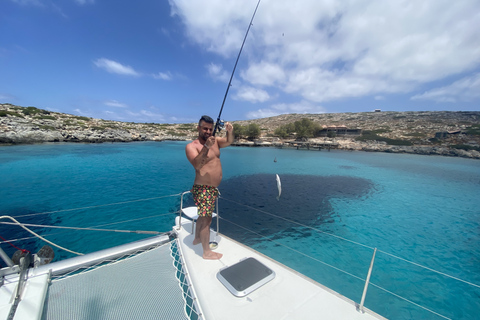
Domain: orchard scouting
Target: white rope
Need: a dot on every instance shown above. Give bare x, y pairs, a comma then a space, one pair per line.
96, 226
39, 236
78, 228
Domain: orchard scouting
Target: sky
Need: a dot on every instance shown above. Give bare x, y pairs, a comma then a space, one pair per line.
170, 61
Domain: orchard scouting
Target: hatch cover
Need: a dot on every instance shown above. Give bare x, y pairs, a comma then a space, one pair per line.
245, 276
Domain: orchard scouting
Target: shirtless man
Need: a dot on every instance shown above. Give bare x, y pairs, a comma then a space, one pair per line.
204, 155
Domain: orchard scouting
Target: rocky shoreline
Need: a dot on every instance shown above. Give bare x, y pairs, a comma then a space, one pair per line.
20, 125
371, 146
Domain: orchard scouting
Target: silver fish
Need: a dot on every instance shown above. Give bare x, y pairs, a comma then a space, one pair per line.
279, 187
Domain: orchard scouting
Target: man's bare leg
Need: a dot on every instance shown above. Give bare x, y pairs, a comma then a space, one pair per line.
198, 227
202, 235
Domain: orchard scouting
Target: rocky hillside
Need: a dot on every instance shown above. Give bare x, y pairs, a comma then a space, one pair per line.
436, 132
31, 125
416, 126
430, 133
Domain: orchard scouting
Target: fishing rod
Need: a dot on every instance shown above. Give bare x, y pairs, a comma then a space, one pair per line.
220, 123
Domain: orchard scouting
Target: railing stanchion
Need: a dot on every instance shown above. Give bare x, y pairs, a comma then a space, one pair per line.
181, 207
6, 258
218, 216
367, 281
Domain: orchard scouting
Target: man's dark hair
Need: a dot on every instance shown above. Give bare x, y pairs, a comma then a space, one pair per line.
206, 119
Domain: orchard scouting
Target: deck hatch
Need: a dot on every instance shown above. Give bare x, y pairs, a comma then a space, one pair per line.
245, 276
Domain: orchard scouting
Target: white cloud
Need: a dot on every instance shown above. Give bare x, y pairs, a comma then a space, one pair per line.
115, 67
163, 76
284, 108
146, 116
6, 97
115, 103
28, 2
216, 72
83, 2
329, 50
252, 95
82, 112
264, 73
466, 89
220, 24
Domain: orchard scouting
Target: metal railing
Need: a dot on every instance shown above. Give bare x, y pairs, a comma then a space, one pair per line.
367, 283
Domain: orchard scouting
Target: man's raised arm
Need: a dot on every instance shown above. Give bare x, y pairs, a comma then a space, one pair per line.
225, 142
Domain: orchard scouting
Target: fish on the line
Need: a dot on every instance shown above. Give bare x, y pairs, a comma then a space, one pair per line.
279, 187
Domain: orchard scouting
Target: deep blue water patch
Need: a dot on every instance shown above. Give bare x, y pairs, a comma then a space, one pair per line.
251, 202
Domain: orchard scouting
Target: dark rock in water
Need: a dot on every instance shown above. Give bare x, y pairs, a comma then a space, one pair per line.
250, 202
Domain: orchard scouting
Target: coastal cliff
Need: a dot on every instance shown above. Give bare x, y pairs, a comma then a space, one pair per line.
20, 125
431, 133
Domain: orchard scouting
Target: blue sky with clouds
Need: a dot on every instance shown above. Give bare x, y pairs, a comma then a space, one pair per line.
170, 61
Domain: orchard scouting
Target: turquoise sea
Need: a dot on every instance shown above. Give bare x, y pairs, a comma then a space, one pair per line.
422, 213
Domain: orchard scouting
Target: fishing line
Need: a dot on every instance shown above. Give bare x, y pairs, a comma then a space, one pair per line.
219, 122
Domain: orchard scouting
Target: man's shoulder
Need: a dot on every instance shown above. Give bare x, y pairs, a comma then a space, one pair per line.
193, 144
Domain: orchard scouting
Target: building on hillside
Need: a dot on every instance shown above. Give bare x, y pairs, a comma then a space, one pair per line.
338, 131
447, 134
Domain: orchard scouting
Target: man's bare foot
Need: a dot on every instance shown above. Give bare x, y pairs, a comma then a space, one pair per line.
212, 255
196, 241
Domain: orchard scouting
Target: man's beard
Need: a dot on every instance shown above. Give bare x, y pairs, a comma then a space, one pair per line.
205, 136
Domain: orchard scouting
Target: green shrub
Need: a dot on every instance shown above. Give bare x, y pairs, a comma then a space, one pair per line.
81, 118
32, 111
253, 131
238, 131
46, 117
474, 130
304, 128
281, 132
4, 113
371, 135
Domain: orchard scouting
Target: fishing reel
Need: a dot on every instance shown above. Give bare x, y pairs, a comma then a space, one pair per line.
220, 125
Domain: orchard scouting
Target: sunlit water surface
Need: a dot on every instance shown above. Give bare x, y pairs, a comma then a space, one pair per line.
335, 208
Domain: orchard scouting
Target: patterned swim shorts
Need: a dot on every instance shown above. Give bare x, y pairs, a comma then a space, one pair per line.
204, 197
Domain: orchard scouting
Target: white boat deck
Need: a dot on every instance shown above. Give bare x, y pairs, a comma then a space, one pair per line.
289, 295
